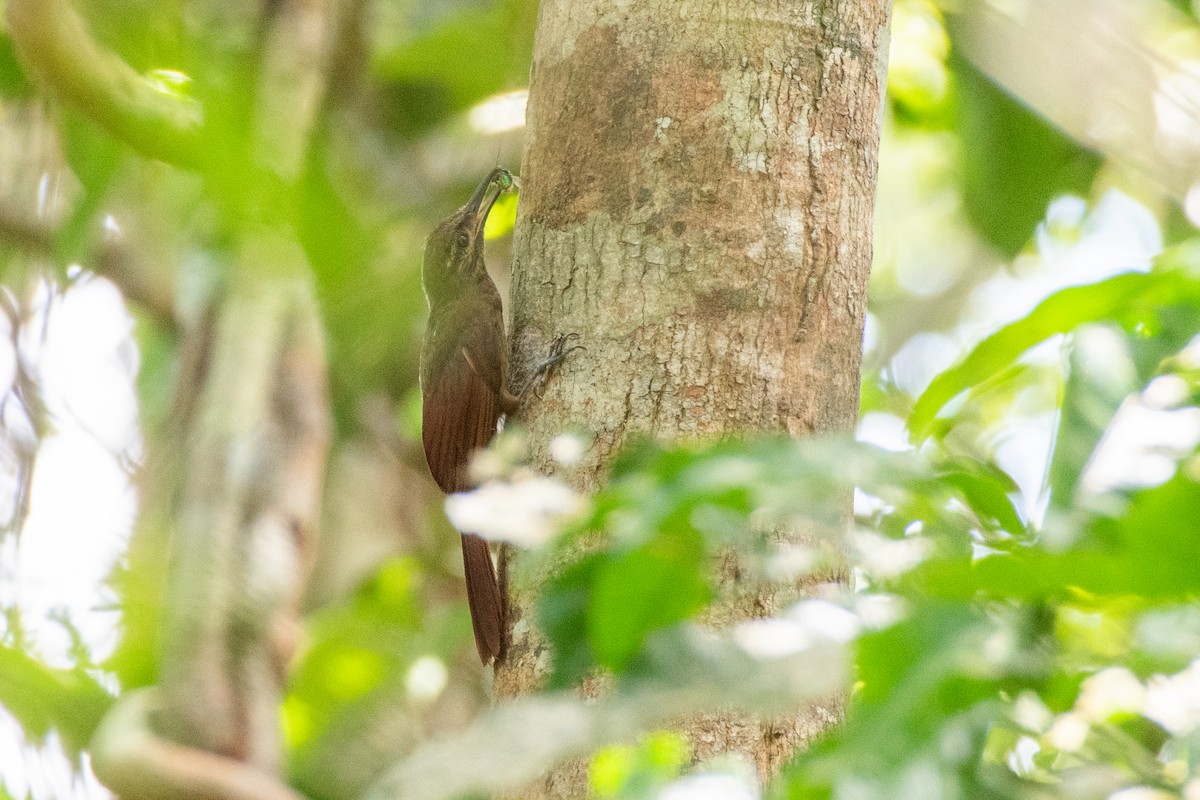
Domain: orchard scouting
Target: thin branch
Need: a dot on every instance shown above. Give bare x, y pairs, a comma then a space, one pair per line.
57, 48
139, 283
25, 232
135, 762
515, 743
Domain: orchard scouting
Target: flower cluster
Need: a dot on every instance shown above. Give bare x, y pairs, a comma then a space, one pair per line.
527, 510
809, 623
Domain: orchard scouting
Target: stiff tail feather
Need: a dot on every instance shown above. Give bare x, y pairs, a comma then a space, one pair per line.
483, 595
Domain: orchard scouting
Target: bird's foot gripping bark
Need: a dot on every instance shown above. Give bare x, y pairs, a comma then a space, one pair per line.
560, 348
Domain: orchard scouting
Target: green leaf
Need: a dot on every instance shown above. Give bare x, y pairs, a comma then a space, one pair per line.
629, 772
13, 83
1014, 161
923, 682
988, 490
561, 612
1186, 6
1100, 374
658, 584
43, 699
1149, 551
1138, 302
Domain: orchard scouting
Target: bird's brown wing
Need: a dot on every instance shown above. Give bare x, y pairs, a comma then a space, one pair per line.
458, 417
459, 413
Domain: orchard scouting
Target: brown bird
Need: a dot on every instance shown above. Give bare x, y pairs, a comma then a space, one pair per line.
464, 381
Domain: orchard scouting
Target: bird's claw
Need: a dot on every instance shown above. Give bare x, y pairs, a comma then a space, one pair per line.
560, 348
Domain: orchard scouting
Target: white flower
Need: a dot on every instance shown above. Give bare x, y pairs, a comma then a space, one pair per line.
881, 557
1031, 713
1141, 793
1109, 692
1166, 391
499, 113
567, 449
501, 459
997, 647
1069, 732
805, 624
426, 679
713, 786
1021, 757
773, 637
825, 621
879, 611
791, 561
1174, 701
529, 511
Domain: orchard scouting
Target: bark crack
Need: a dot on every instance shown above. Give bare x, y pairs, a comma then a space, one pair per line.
818, 261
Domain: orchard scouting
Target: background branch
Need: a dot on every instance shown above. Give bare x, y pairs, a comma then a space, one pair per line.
56, 47
152, 292
135, 763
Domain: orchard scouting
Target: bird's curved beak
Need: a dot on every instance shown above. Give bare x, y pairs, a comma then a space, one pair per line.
480, 204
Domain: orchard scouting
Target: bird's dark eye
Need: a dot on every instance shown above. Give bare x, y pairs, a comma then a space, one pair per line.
462, 240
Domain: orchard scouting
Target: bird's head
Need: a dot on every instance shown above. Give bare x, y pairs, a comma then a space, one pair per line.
454, 251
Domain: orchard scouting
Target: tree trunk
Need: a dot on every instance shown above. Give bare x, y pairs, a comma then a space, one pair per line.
697, 198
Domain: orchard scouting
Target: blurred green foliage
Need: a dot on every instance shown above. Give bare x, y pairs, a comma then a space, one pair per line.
1014, 163
1002, 608
633, 771
1161, 308
43, 699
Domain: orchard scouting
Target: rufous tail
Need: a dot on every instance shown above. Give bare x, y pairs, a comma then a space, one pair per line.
483, 595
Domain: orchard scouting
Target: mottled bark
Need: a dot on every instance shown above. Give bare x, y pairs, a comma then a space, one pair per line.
697, 200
